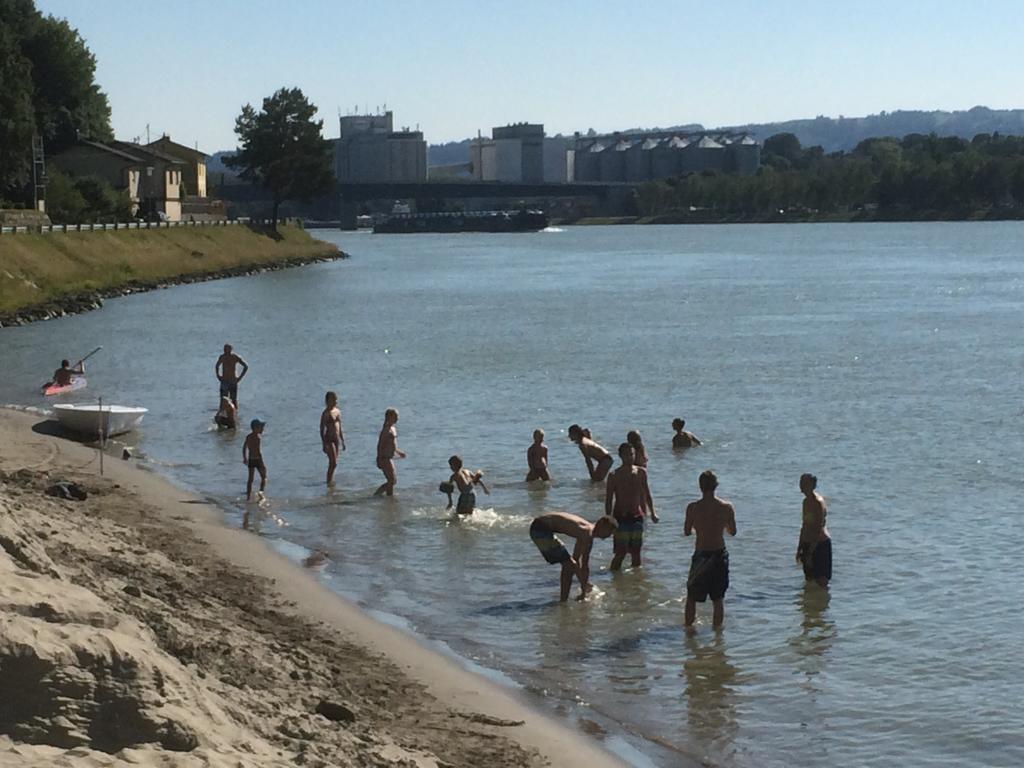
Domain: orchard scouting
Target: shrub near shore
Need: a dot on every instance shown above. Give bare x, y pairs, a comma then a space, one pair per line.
39, 269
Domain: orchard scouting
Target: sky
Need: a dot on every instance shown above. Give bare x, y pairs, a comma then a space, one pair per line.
453, 67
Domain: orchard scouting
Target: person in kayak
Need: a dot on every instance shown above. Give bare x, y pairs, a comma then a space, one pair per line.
62, 376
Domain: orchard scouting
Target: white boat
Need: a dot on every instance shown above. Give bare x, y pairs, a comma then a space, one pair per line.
89, 419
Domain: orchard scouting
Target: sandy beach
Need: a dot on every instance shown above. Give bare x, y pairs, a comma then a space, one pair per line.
139, 630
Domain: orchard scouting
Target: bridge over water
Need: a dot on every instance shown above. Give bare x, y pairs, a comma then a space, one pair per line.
347, 197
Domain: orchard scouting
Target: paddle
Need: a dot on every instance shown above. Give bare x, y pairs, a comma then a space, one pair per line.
89, 355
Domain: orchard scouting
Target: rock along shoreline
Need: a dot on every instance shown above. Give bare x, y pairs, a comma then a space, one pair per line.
84, 301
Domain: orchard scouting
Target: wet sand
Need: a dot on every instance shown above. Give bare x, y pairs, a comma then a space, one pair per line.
139, 630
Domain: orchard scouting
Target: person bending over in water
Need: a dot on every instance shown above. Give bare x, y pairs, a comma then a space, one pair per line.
227, 414
387, 450
252, 457
682, 438
63, 375
599, 461
537, 458
331, 435
709, 567
628, 499
463, 480
639, 452
542, 532
814, 549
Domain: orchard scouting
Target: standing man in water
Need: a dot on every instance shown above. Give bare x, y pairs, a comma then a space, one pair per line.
387, 449
627, 499
814, 550
710, 517
599, 461
227, 373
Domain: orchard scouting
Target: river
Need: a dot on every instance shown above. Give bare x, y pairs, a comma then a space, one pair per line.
884, 358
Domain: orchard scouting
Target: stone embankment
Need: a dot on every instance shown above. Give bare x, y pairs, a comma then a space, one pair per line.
84, 301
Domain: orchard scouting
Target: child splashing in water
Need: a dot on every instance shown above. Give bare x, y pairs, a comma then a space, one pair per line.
463, 480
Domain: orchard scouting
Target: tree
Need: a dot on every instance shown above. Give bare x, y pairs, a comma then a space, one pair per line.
15, 114
48, 88
282, 148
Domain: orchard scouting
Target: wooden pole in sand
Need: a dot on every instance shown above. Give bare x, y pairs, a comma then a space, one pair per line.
102, 441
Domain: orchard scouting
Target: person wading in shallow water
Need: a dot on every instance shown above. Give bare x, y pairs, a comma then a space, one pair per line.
710, 517
226, 369
599, 461
814, 549
387, 450
627, 499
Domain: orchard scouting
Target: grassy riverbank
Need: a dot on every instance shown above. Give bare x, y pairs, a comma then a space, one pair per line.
36, 269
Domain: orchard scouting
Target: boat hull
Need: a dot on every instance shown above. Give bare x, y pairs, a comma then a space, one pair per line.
91, 421
476, 221
77, 382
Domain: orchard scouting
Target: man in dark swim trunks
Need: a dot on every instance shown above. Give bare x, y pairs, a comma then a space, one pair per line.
227, 373
710, 517
814, 549
542, 532
252, 457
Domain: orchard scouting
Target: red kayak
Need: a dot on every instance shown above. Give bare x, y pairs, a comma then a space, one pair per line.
77, 382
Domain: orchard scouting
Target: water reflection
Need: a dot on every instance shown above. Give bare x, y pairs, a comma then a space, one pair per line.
817, 632
711, 698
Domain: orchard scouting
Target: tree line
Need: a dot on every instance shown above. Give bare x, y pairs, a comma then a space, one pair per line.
918, 176
48, 89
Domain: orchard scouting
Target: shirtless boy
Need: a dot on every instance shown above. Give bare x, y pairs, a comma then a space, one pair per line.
463, 480
331, 434
542, 532
599, 461
682, 438
387, 450
537, 458
814, 549
252, 456
227, 373
710, 517
628, 499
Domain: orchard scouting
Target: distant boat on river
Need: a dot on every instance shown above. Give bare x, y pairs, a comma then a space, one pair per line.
473, 221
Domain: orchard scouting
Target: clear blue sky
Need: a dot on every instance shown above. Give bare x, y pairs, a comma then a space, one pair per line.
187, 67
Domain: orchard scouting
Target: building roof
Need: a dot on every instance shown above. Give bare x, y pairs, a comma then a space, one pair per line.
143, 151
116, 151
179, 149
707, 142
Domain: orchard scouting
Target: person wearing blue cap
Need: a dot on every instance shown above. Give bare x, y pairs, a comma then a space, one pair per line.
252, 457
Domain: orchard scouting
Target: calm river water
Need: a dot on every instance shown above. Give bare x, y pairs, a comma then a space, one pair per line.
886, 359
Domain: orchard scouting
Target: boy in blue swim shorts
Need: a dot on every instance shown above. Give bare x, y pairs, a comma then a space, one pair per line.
542, 532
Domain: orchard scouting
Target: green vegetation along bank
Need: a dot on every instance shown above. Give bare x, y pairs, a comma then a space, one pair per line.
915, 178
50, 275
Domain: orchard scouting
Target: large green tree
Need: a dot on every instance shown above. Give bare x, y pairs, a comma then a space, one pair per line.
47, 87
283, 149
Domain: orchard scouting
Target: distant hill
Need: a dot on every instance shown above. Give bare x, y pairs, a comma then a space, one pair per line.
844, 133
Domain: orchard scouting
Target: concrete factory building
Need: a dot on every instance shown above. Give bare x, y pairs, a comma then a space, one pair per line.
369, 149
